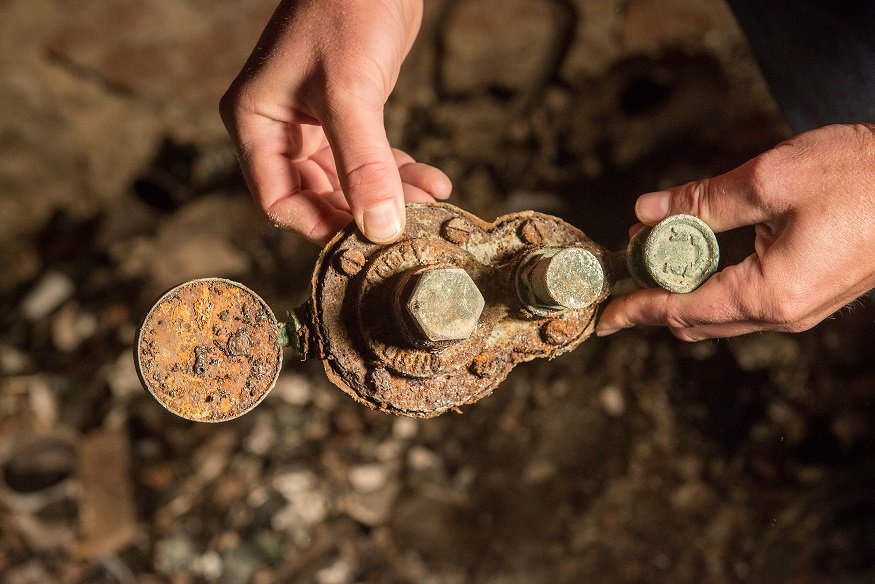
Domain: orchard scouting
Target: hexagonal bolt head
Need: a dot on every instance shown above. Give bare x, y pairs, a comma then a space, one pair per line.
570, 277
679, 254
445, 304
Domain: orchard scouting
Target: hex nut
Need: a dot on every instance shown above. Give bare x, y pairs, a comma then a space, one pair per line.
445, 304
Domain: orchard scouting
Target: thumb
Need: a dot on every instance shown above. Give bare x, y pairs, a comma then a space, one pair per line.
366, 169
724, 202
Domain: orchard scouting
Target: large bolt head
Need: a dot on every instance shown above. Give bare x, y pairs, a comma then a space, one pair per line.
681, 253
445, 304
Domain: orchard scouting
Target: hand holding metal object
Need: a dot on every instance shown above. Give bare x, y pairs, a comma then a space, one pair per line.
430, 323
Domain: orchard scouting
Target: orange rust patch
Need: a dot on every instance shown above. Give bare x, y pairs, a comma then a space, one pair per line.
209, 350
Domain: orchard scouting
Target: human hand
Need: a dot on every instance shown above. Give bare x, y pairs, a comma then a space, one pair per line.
306, 118
812, 201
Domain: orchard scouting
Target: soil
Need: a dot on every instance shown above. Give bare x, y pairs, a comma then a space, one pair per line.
635, 458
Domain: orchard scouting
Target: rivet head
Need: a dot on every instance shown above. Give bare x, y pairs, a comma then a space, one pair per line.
445, 304
484, 364
457, 230
532, 232
558, 332
379, 384
350, 262
680, 253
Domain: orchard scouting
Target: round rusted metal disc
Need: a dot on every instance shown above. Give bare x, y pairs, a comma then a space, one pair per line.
209, 350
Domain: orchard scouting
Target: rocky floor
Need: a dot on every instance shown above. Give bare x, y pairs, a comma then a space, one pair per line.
635, 458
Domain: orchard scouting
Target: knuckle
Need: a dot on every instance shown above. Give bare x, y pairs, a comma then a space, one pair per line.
367, 174
692, 198
674, 319
762, 171
234, 102
786, 309
864, 133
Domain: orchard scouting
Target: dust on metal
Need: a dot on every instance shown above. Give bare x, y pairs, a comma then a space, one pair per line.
370, 344
445, 304
558, 279
680, 253
209, 350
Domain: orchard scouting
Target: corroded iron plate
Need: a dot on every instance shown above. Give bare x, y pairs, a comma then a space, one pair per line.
209, 350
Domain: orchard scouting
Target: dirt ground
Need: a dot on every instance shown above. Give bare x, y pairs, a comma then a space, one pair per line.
635, 458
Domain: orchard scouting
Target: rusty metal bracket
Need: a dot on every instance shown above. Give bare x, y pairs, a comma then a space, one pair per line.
430, 323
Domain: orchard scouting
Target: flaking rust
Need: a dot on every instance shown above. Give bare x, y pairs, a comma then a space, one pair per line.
365, 343
430, 323
209, 350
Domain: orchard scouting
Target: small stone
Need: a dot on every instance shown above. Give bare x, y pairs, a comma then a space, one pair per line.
71, 327
12, 361
122, 377
612, 401
174, 554
368, 478
50, 292
405, 428
340, 572
693, 497
209, 566
764, 351
421, 458
291, 483
262, 437
43, 402
372, 508
294, 389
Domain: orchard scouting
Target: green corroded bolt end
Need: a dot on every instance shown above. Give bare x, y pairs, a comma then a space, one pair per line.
292, 332
679, 254
562, 278
445, 304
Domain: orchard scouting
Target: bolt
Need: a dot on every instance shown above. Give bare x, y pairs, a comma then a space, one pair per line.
559, 279
445, 304
678, 254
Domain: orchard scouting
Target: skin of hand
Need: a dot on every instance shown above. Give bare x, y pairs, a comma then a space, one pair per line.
306, 118
812, 202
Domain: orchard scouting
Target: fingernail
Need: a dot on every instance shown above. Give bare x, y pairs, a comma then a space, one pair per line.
653, 207
381, 223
